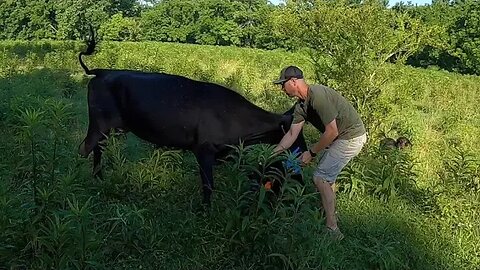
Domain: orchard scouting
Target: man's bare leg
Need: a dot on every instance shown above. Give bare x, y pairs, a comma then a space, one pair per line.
328, 201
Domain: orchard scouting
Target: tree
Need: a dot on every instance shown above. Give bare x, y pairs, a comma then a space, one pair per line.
62, 19
216, 23
254, 20
74, 16
27, 19
465, 34
204, 22
128, 8
455, 48
120, 28
171, 20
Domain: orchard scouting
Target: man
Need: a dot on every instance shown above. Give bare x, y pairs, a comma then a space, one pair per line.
343, 134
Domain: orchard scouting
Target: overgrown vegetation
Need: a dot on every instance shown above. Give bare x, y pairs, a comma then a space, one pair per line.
417, 208
399, 210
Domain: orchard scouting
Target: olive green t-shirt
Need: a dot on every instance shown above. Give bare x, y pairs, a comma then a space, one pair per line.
324, 104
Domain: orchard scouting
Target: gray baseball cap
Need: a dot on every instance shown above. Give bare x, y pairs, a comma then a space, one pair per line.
289, 72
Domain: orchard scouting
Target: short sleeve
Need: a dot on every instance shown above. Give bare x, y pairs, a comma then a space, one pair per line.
298, 113
325, 108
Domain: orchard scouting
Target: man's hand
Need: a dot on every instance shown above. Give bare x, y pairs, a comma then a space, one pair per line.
306, 158
330, 134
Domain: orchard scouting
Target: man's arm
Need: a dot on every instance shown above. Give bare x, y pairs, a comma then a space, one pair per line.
289, 137
331, 132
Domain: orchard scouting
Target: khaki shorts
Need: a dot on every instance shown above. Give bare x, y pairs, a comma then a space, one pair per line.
337, 156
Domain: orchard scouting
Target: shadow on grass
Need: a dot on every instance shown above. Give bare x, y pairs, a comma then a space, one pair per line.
391, 236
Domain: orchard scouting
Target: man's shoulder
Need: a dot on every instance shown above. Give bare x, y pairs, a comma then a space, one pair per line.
320, 89
317, 87
325, 92
318, 92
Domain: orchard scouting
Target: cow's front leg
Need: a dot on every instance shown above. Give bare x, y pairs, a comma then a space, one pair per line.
206, 158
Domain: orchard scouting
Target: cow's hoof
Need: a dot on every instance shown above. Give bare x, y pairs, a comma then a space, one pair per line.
82, 151
97, 174
202, 209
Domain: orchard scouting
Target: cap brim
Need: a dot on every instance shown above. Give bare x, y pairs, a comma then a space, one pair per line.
279, 81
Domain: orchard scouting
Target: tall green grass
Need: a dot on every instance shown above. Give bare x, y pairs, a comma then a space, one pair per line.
416, 209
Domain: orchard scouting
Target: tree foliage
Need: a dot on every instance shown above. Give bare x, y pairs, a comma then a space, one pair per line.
58, 19
444, 34
120, 28
457, 45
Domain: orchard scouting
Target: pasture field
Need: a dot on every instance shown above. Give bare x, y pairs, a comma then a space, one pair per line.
415, 209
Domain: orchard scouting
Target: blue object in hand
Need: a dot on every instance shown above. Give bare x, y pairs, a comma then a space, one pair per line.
292, 163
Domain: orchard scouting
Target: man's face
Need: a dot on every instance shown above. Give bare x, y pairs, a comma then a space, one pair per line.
289, 87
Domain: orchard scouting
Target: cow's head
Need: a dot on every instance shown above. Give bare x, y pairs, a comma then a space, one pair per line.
298, 147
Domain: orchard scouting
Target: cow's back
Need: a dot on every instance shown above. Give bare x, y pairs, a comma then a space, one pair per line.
176, 111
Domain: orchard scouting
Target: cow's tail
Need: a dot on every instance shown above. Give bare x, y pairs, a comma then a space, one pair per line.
90, 49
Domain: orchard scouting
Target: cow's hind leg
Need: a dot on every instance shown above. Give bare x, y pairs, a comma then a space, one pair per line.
97, 158
92, 143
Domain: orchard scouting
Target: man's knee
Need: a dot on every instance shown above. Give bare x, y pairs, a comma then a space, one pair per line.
323, 179
322, 183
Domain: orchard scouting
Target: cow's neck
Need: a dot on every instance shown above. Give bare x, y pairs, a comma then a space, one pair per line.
269, 131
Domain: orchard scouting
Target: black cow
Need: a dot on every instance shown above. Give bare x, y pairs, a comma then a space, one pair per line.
174, 111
